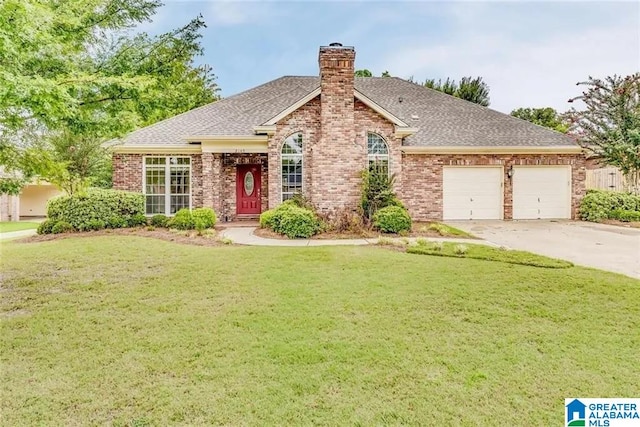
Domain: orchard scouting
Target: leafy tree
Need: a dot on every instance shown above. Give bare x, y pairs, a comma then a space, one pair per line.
609, 124
385, 74
547, 117
377, 190
363, 73
470, 89
73, 70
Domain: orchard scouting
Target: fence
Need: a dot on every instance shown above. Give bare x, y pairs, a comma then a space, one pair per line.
605, 179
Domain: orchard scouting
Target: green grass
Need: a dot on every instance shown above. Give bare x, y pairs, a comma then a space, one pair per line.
132, 331
8, 226
489, 253
448, 231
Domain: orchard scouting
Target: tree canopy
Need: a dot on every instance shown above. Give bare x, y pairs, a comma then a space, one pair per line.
609, 124
547, 117
77, 70
470, 89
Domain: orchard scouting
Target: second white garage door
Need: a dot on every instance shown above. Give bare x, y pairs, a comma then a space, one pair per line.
541, 192
472, 192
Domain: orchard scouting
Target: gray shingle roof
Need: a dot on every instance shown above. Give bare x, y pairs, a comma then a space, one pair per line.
441, 120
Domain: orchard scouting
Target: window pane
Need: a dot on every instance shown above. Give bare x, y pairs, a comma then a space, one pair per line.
293, 144
155, 205
179, 180
155, 181
376, 145
155, 160
178, 202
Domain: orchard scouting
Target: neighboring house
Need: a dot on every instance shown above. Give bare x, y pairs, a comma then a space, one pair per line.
31, 202
452, 159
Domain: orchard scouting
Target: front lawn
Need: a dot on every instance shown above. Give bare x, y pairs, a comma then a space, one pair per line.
8, 226
124, 330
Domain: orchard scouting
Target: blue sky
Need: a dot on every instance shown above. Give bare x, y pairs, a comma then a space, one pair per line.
530, 53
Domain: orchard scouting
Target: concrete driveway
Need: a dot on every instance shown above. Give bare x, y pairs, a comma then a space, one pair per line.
606, 247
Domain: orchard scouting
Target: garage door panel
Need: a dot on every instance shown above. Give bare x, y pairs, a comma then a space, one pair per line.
472, 192
541, 192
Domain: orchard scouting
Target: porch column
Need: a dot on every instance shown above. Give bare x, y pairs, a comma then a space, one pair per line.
207, 180
216, 183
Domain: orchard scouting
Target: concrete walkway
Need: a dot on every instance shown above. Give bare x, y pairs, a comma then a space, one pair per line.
607, 247
16, 234
245, 236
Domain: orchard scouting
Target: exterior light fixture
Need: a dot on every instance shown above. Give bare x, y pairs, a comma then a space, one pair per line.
510, 172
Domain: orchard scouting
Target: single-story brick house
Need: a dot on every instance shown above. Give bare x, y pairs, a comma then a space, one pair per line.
452, 159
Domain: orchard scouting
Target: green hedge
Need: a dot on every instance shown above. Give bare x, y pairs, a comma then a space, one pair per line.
392, 219
186, 219
95, 210
598, 205
291, 220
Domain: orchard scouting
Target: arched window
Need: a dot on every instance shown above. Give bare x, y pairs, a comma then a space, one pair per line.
377, 153
291, 170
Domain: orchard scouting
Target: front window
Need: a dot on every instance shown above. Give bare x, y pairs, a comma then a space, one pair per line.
377, 153
291, 158
167, 184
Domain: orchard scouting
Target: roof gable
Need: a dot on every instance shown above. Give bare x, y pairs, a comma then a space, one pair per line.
435, 119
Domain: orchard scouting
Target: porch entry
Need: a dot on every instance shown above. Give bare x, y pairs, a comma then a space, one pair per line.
248, 184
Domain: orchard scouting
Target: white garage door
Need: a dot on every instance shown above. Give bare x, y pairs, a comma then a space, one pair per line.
472, 192
541, 192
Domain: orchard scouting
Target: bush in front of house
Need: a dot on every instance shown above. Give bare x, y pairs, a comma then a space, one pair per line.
46, 226
625, 215
94, 210
204, 218
598, 205
292, 220
266, 218
392, 219
62, 227
159, 221
296, 222
183, 220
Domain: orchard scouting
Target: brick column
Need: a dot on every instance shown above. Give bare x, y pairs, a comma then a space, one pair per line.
207, 180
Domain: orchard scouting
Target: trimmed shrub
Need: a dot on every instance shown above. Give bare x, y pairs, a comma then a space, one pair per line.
46, 226
159, 220
62, 227
80, 210
93, 225
137, 220
183, 220
204, 218
598, 205
266, 218
296, 222
625, 215
392, 219
116, 222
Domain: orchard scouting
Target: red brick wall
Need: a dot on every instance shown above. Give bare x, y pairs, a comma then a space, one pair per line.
305, 119
335, 154
127, 172
422, 179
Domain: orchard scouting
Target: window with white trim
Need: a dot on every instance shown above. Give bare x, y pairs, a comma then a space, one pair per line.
167, 184
291, 166
377, 153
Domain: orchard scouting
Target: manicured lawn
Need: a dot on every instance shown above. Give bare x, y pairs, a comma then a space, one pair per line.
7, 226
124, 330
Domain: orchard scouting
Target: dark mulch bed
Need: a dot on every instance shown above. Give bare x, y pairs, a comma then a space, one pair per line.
187, 238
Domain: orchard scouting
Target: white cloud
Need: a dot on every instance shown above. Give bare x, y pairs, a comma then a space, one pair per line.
535, 71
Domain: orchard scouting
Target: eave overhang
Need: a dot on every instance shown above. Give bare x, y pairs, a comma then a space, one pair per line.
492, 150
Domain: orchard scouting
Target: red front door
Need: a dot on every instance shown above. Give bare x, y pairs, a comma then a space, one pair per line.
248, 190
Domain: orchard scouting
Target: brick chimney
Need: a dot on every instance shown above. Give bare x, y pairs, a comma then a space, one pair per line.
336, 163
